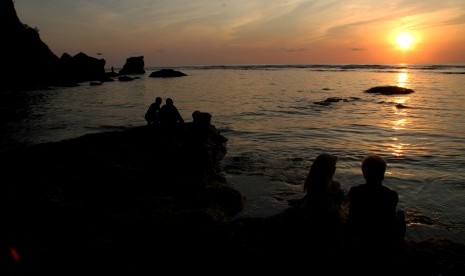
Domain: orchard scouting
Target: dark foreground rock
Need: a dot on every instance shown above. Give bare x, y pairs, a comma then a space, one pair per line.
113, 201
136, 202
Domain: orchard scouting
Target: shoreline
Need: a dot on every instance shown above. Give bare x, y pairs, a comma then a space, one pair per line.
262, 203
97, 193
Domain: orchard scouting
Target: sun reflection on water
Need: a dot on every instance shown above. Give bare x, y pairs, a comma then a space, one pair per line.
402, 78
399, 124
400, 120
398, 148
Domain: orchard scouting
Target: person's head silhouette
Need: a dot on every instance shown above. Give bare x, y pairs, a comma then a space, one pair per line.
373, 168
195, 116
321, 172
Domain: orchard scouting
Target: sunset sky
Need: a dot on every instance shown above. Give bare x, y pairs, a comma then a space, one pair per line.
207, 32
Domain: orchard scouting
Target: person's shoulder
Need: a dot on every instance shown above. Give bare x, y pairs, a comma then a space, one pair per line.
356, 188
336, 185
390, 192
355, 191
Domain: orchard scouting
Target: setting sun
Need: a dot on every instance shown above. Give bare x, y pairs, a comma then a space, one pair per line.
404, 40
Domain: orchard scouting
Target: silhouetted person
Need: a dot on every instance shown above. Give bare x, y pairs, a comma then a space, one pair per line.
169, 114
324, 195
152, 114
214, 138
205, 143
322, 202
374, 222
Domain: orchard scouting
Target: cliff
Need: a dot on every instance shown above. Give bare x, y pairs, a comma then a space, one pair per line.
22, 46
28, 63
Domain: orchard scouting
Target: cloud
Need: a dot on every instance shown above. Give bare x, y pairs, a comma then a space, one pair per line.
233, 26
294, 50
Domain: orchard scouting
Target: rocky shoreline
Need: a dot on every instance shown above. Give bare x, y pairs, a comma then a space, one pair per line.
132, 201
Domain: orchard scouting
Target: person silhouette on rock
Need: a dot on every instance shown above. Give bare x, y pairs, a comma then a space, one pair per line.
169, 115
152, 114
374, 223
322, 204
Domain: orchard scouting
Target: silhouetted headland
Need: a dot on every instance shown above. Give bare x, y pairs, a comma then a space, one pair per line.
28, 63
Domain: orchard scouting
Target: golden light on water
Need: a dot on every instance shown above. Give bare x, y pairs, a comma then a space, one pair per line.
399, 124
400, 120
402, 78
397, 148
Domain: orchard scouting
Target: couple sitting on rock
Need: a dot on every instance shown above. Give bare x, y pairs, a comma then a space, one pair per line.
166, 115
373, 221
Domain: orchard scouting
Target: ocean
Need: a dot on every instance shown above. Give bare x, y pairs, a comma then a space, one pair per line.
278, 119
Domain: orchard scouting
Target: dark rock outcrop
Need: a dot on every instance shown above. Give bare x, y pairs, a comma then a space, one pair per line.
332, 100
81, 67
389, 90
133, 65
125, 78
28, 63
167, 73
130, 202
103, 201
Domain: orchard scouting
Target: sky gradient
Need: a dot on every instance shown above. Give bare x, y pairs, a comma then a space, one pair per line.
210, 32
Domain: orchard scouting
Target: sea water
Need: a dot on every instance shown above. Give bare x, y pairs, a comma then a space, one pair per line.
278, 119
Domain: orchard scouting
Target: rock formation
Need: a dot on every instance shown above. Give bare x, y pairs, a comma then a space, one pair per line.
167, 73
28, 63
133, 65
133, 201
389, 90
79, 68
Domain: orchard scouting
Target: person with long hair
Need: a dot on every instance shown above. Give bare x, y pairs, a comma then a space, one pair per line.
324, 195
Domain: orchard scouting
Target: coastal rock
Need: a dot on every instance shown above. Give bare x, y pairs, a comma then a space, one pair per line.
167, 73
125, 78
402, 106
22, 45
389, 90
106, 196
81, 67
133, 65
332, 100
121, 201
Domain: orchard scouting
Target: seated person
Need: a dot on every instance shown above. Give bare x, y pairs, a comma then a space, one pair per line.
324, 195
169, 114
206, 142
373, 220
151, 116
